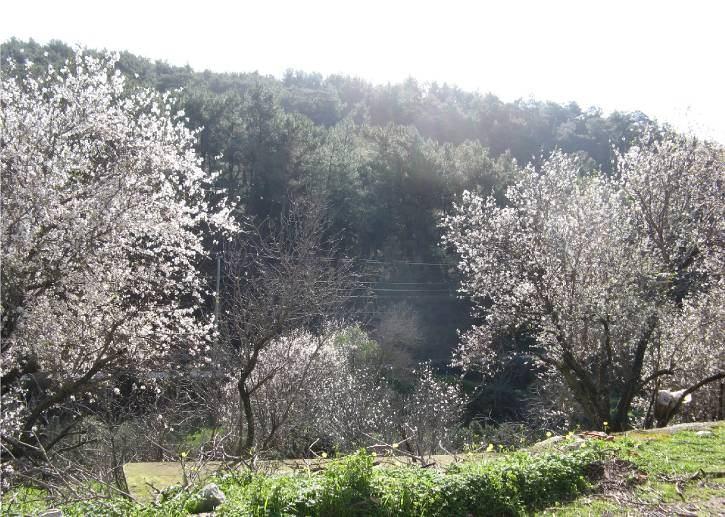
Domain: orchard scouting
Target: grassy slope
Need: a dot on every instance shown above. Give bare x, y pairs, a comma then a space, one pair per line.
663, 462
664, 457
644, 473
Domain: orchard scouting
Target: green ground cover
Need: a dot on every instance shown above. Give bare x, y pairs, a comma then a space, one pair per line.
673, 471
145, 478
639, 473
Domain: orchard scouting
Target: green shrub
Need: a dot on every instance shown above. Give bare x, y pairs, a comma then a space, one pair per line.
346, 487
512, 485
24, 501
343, 488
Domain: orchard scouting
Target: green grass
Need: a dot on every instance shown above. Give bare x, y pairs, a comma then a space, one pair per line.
583, 506
510, 484
676, 454
665, 459
141, 477
513, 484
551, 482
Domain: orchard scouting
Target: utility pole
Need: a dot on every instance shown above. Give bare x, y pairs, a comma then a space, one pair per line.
217, 298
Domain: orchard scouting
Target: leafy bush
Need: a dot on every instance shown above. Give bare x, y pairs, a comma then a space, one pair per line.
512, 485
23, 501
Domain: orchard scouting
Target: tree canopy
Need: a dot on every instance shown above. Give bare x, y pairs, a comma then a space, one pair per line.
618, 279
125, 206
104, 203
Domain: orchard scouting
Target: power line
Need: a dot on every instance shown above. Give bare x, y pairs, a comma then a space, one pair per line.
406, 262
408, 295
394, 262
411, 290
386, 282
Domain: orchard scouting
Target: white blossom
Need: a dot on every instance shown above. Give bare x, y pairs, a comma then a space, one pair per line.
618, 278
103, 206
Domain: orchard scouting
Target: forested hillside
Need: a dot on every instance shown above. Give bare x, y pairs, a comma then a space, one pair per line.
387, 160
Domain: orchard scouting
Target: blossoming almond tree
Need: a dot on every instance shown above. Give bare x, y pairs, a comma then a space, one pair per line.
103, 208
618, 278
280, 278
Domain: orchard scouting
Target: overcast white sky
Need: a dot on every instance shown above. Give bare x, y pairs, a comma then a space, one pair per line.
661, 57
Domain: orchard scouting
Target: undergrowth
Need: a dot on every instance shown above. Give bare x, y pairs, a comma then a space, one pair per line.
513, 484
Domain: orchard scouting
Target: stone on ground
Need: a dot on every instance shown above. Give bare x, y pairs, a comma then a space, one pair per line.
206, 500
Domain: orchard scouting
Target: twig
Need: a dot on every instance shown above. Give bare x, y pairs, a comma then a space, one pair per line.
396, 447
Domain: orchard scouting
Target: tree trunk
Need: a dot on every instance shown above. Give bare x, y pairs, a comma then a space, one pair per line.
246, 419
620, 418
649, 419
592, 402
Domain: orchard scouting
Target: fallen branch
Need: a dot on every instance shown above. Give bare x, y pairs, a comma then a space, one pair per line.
396, 448
681, 482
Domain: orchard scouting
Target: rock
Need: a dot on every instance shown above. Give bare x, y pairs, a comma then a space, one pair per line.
704, 433
206, 500
575, 443
547, 444
596, 435
688, 426
52, 512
